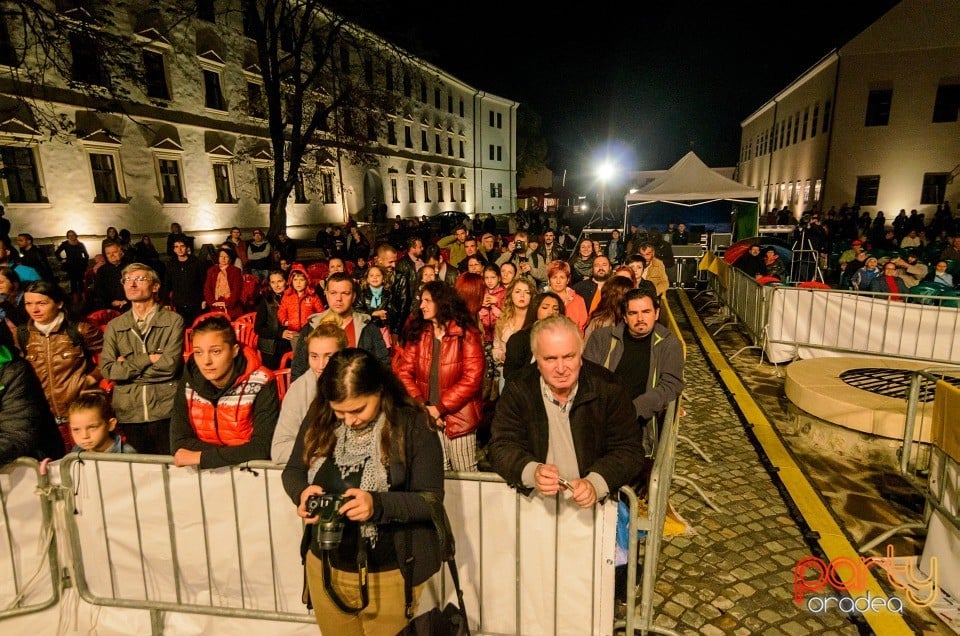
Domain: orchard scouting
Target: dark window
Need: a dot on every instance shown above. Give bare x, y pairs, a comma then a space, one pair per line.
170, 181
86, 60
344, 58
449, 146
213, 96
264, 185
461, 149
773, 137
491, 119
424, 143
368, 70
461, 108
255, 100
300, 190
816, 120
436, 97
388, 75
826, 116
948, 103
439, 192
391, 133
783, 133
450, 104
221, 179
806, 120
867, 189
423, 91
154, 75
452, 196
426, 192
493, 190
407, 137
104, 179
499, 120
436, 145
407, 84
393, 190
796, 127
8, 53
878, 107
206, 10
499, 153
493, 152
934, 186
411, 191
20, 172
499, 190
327, 179
789, 130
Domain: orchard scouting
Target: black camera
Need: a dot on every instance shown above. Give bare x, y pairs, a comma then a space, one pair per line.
330, 525
519, 246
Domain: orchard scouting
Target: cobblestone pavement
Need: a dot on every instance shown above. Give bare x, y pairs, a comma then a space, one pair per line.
734, 573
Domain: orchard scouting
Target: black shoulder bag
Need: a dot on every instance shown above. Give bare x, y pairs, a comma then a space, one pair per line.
452, 619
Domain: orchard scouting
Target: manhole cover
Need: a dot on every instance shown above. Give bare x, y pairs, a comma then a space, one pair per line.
894, 383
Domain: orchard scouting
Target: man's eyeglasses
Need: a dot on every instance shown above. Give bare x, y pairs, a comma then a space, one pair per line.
126, 280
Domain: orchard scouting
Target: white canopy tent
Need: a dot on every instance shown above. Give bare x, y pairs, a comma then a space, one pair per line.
690, 183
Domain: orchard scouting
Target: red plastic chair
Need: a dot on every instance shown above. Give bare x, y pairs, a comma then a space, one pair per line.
249, 318
246, 335
813, 284
250, 293
317, 272
283, 382
101, 317
286, 360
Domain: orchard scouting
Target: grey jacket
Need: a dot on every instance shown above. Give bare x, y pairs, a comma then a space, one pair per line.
665, 382
369, 339
144, 390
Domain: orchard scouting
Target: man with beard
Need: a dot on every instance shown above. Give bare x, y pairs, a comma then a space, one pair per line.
590, 288
550, 250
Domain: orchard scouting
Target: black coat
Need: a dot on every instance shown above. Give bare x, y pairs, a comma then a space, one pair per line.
602, 420
27, 427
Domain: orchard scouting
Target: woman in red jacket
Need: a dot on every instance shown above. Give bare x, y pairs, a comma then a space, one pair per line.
441, 365
224, 285
558, 273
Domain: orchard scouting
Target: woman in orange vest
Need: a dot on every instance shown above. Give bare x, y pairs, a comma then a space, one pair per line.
226, 406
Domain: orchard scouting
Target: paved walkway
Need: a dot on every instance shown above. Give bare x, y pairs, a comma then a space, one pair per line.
734, 573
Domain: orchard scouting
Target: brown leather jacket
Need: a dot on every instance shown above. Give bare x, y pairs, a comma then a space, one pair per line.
64, 368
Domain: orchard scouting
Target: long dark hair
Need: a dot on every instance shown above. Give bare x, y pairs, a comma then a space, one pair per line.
609, 311
352, 373
449, 307
534, 307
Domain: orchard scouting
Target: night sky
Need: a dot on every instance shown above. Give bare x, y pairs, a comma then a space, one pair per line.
643, 85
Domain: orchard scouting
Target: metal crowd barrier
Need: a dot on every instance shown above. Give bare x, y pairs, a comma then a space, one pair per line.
744, 300
939, 458
919, 327
29, 570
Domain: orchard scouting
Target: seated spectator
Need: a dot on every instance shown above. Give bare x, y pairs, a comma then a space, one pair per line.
637, 265
33, 256
298, 303
773, 265
558, 273
654, 270
63, 352
519, 355
888, 282
911, 240
472, 264
285, 248
626, 273
259, 255
680, 236
862, 278
471, 251
950, 253
446, 273
226, 405
223, 288
146, 252
751, 262
11, 299
271, 343
911, 270
92, 424
27, 427
615, 248
589, 288
321, 343
856, 247
941, 275
107, 288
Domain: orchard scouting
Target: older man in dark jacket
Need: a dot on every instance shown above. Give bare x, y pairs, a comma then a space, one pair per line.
565, 419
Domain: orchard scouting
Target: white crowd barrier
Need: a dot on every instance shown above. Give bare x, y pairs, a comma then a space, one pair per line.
151, 549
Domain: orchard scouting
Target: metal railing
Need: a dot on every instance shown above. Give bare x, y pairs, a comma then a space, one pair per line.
29, 570
745, 302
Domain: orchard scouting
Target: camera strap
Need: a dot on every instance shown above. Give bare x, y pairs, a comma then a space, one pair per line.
361, 575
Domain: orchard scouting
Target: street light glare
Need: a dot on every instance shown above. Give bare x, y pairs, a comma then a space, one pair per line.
605, 171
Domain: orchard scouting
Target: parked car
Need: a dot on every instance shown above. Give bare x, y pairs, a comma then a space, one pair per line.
443, 223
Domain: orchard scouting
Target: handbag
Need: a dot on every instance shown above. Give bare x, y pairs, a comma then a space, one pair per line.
452, 619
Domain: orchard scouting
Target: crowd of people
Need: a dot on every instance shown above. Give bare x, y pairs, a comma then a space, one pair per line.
520, 354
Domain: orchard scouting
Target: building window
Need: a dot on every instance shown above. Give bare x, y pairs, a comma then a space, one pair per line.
947, 105
426, 191
155, 75
796, 127
255, 106
407, 84
826, 116
213, 96
461, 149
411, 191
790, 198
171, 181
391, 133
388, 76
878, 107
104, 172
499, 120
783, 132
790, 131
493, 152
439, 191
264, 184
867, 189
493, 190
491, 119
436, 97
463, 192
20, 173
8, 53
452, 195
934, 187
407, 137
300, 190
806, 120
436, 144
393, 190
816, 117
499, 190
221, 181
806, 191
817, 189
449, 146
450, 104
86, 66
423, 91
461, 108
782, 194
327, 179
424, 142
499, 153
206, 10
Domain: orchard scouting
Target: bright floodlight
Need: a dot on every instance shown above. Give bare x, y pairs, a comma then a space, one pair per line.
605, 171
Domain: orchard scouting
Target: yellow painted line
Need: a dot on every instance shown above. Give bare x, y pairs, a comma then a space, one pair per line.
833, 541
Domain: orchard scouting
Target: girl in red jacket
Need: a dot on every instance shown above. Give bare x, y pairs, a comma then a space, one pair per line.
299, 302
448, 384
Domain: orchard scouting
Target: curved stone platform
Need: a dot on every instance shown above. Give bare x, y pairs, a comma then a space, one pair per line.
815, 386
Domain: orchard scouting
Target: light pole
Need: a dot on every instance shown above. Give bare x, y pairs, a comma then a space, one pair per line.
604, 172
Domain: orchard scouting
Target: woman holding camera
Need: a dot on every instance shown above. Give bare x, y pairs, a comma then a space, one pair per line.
367, 458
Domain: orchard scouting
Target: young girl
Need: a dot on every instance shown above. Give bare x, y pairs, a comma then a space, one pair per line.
92, 422
272, 344
299, 302
375, 299
513, 316
493, 296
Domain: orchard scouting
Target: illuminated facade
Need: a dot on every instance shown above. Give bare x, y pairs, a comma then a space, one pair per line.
876, 122
193, 146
